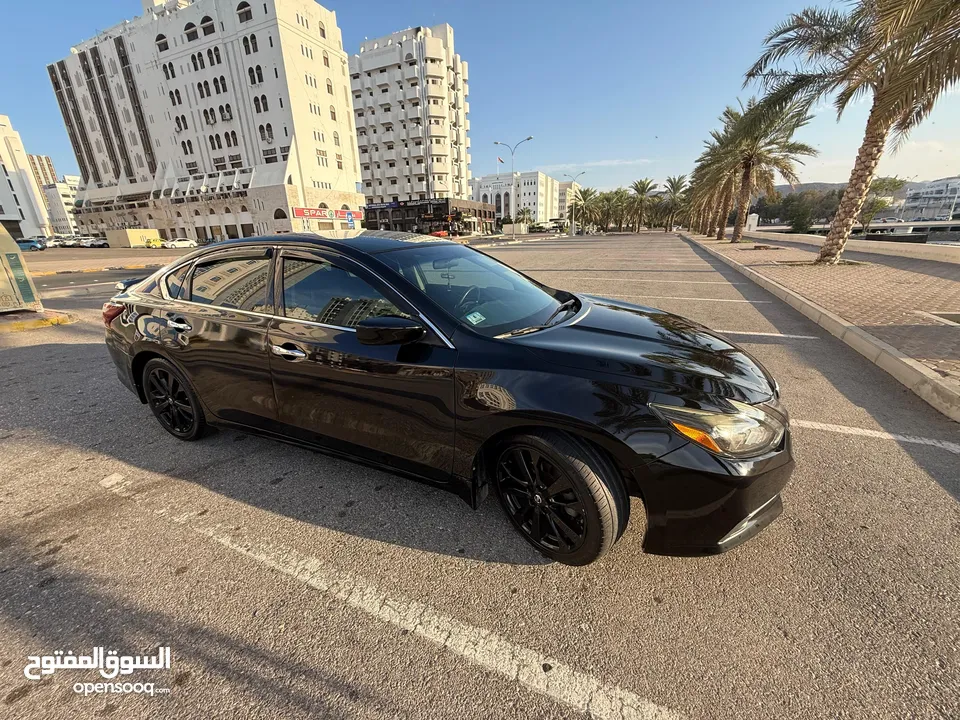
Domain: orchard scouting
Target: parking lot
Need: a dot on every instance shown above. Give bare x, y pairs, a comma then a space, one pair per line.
288, 584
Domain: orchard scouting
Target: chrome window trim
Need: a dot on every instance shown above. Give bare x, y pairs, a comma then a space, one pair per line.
428, 321
266, 315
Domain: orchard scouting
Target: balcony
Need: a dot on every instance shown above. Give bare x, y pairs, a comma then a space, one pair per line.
389, 155
414, 131
437, 168
435, 90
411, 93
440, 150
437, 110
411, 72
418, 187
391, 172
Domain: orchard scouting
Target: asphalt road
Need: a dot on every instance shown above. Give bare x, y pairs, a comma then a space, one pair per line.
288, 584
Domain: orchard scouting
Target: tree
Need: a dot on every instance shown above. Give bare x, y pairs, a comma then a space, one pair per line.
641, 190
901, 55
525, 217
763, 143
798, 208
584, 204
673, 199
877, 199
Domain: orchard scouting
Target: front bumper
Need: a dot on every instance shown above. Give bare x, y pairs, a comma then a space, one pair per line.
700, 504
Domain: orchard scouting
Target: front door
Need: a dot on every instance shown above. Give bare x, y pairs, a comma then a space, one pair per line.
216, 328
391, 404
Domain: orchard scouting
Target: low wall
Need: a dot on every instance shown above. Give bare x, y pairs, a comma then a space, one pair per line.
924, 251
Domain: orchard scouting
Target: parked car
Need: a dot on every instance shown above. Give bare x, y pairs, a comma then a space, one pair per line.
71, 242
179, 243
942, 217
153, 243
429, 359
890, 220
30, 245
94, 242
54, 242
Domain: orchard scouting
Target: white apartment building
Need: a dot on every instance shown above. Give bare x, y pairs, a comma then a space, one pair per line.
213, 119
410, 105
61, 204
567, 194
939, 198
23, 211
43, 171
534, 190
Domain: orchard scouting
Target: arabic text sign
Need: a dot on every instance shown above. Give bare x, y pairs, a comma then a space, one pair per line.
327, 214
109, 663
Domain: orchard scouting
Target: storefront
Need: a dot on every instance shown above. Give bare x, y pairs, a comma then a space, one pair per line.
457, 217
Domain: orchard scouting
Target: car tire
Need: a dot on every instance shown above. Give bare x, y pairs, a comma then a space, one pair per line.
571, 495
172, 400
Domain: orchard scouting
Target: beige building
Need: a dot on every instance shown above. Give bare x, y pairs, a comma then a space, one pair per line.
23, 211
43, 170
61, 200
567, 193
213, 119
410, 105
533, 190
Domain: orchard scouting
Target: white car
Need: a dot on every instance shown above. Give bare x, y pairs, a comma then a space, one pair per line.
94, 242
178, 243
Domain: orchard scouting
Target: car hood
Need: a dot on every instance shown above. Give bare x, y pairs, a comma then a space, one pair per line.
654, 346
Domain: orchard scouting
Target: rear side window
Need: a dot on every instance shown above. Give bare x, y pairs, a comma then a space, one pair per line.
239, 283
319, 291
174, 281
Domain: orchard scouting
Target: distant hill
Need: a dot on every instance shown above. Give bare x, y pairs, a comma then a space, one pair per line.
824, 186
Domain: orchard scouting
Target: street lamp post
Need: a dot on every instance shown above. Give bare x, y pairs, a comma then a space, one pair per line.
513, 179
573, 220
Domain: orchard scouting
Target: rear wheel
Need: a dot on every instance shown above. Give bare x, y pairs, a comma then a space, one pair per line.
563, 495
172, 400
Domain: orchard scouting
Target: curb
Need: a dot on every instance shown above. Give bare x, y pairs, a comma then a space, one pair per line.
920, 379
59, 318
44, 273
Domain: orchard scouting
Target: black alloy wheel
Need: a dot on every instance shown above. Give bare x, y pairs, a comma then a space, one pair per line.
172, 400
563, 495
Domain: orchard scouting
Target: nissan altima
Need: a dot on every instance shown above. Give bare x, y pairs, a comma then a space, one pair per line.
433, 360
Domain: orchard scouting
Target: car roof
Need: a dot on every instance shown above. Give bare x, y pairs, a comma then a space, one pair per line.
369, 241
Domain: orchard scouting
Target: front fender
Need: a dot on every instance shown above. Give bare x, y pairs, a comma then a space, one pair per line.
613, 416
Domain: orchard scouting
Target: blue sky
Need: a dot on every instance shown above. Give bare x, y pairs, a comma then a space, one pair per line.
622, 89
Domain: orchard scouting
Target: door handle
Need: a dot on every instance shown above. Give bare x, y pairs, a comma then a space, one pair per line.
179, 325
289, 351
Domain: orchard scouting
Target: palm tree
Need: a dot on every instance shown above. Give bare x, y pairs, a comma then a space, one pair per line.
524, 217
763, 144
641, 189
673, 199
902, 55
584, 205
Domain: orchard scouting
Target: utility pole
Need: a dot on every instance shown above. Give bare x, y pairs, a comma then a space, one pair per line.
513, 180
573, 220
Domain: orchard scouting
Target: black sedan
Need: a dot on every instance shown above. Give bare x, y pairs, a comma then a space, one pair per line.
433, 360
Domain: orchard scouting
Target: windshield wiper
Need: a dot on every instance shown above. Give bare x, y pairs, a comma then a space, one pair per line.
565, 305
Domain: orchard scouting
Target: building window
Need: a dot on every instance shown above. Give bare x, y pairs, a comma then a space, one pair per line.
333, 113
162, 44
244, 13
263, 102
216, 55
323, 31
326, 59
253, 43
246, 46
259, 74
191, 30
252, 75
256, 105
206, 24
329, 87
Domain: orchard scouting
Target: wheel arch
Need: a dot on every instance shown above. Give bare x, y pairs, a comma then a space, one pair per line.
511, 425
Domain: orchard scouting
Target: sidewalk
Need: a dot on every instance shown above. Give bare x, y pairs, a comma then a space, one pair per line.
882, 308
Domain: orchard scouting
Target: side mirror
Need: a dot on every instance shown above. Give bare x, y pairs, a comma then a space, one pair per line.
389, 330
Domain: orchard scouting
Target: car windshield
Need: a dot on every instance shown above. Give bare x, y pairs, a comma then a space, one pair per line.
478, 291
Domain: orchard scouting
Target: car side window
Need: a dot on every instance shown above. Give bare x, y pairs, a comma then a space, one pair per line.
319, 291
174, 281
239, 283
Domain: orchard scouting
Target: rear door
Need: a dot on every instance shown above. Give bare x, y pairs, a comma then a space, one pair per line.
392, 404
215, 328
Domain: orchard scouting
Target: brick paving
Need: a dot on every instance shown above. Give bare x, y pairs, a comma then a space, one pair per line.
887, 296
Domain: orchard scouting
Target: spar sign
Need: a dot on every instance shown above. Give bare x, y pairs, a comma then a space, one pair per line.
327, 214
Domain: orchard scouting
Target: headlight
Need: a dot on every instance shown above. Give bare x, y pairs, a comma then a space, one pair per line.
745, 433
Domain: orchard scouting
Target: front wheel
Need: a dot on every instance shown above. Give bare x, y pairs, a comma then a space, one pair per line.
172, 400
564, 496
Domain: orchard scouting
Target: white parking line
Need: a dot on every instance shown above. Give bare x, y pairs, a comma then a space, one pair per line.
541, 673
682, 282
671, 297
880, 435
768, 334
